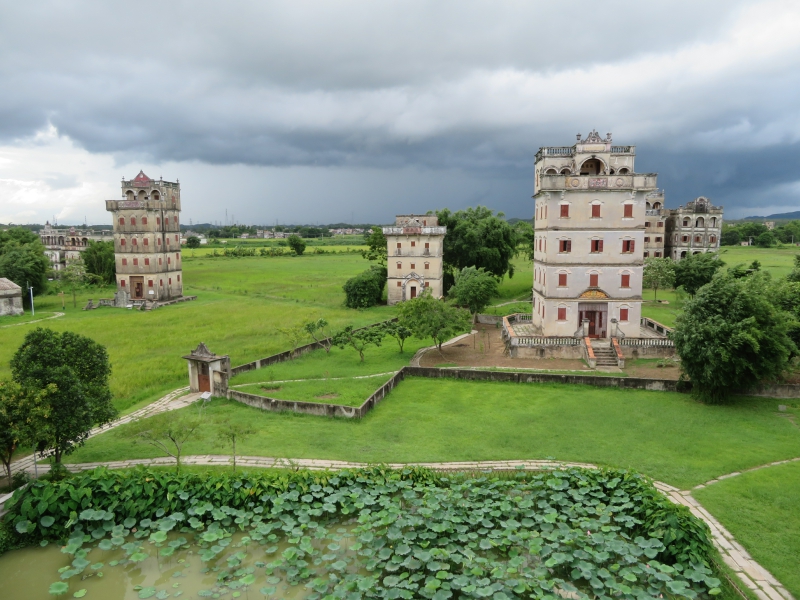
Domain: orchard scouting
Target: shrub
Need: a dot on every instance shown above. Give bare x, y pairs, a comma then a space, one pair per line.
366, 288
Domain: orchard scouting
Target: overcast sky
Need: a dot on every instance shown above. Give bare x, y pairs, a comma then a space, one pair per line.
316, 112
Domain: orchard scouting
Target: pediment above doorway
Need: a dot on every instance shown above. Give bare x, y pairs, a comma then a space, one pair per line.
594, 294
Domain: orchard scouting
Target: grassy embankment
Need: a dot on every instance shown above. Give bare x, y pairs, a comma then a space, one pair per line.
760, 510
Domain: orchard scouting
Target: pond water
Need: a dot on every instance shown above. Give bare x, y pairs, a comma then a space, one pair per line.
111, 575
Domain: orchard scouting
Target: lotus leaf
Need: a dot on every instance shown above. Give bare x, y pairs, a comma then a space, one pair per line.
80, 593
147, 592
58, 588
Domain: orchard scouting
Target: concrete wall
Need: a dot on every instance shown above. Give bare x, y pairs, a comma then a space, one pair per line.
11, 305
569, 352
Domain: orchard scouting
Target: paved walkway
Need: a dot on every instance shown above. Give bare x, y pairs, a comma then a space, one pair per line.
753, 575
55, 316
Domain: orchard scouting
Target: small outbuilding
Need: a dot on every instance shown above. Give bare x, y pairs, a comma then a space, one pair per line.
10, 298
208, 372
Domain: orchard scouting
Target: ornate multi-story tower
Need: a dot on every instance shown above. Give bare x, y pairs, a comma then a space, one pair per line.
147, 239
590, 225
694, 228
415, 249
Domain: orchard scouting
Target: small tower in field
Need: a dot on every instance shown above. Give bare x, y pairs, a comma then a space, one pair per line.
147, 239
414, 253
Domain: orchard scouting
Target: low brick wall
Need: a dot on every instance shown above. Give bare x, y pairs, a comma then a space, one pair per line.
488, 319
288, 355
777, 390
548, 351
661, 385
319, 408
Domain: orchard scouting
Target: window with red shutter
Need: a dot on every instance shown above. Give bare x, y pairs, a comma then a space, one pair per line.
628, 214
626, 281
427, 284
149, 283
146, 242
133, 220
623, 314
124, 262
595, 211
135, 262
627, 246
565, 211
562, 313
179, 278
646, 254
593, 280
122, 220
660, 224
413, 265
565, 246
413, 244
144, 220
562, 280
399, 284
146, 262
122, 242
122, 282
597, 245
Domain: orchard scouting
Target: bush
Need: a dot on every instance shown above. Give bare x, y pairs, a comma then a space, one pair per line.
473, 289
366, 288
765, 240
296, 243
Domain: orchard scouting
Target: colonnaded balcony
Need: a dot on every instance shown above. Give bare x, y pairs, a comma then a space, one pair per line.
521, 327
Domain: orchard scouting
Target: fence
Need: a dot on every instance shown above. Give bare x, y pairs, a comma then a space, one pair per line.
655, 326
647, 342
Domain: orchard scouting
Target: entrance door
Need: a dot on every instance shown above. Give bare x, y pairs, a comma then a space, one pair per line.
137, 288
413, 291
203, 380
597, 314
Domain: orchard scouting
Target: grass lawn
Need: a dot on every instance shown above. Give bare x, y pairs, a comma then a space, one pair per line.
241, 304
665, 435
347, 391
761, 510
778, 261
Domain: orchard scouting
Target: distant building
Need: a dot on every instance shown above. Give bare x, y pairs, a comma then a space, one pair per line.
589, 237
414, 253
147, 239
66, 244
693, 228
770, 225
655, 217
10, 298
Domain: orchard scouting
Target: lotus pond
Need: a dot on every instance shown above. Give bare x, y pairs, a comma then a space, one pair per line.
373, 533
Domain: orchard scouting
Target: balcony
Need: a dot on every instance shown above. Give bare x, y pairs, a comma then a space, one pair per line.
636, 181
414, 230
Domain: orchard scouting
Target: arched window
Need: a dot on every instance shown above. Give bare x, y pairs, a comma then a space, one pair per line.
551, 171
133, 220
593, 166
657, 206
647, 206
623, 171
155, 195
700, 222
713, 221
144, 220
122, 220
685, 221
566, 171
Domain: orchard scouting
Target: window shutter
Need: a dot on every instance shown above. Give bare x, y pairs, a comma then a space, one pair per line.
628, 211
564, 211
562, 279
623, 314
593, 280
633, 245
595, 210
562, 313
626, 280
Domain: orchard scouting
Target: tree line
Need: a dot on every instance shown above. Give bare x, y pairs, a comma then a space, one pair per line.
735, 233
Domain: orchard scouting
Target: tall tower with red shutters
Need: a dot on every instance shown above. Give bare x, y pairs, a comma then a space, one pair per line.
590, 207
147, 239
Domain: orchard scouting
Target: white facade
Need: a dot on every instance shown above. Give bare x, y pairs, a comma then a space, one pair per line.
590, 229
415, 248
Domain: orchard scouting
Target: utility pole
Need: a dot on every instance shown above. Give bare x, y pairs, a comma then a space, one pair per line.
30, 289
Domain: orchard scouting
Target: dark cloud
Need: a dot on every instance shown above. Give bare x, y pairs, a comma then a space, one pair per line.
705, 89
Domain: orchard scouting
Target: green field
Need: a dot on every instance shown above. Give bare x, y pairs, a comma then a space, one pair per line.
778, 261
665, 435
760, 509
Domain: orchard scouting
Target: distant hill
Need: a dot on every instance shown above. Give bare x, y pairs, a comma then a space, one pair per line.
786, 216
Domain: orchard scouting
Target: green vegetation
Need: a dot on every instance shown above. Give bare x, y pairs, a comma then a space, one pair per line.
69, 373
427, 317
731, 337
297, 244
365, 289
760, 509
100, 261
473, 289
593, 532
23, 261
658, 273
777, 261
696, 270
240, 307
667, 436
345, 391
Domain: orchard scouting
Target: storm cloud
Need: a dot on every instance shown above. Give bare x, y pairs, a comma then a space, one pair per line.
382, 107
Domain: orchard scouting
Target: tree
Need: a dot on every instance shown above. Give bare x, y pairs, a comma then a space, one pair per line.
233, 432
297, 244
79, 368
526, 239
366, 288
795, 273
359, 339
294, 335
398, 331
316, 329
739, 271
100, 261
165, 431
730, 237
785, 294
75, 277
23, 261
23, 418
435, 319
474, 289
730, 337
376, 246
194, 242
696, 270
476, 237
765, 240
658, 273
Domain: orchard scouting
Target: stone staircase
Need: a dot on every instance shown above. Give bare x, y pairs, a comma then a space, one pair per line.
605, 355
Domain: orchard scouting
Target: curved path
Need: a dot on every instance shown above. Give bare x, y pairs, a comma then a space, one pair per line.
55, 316
754, 576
